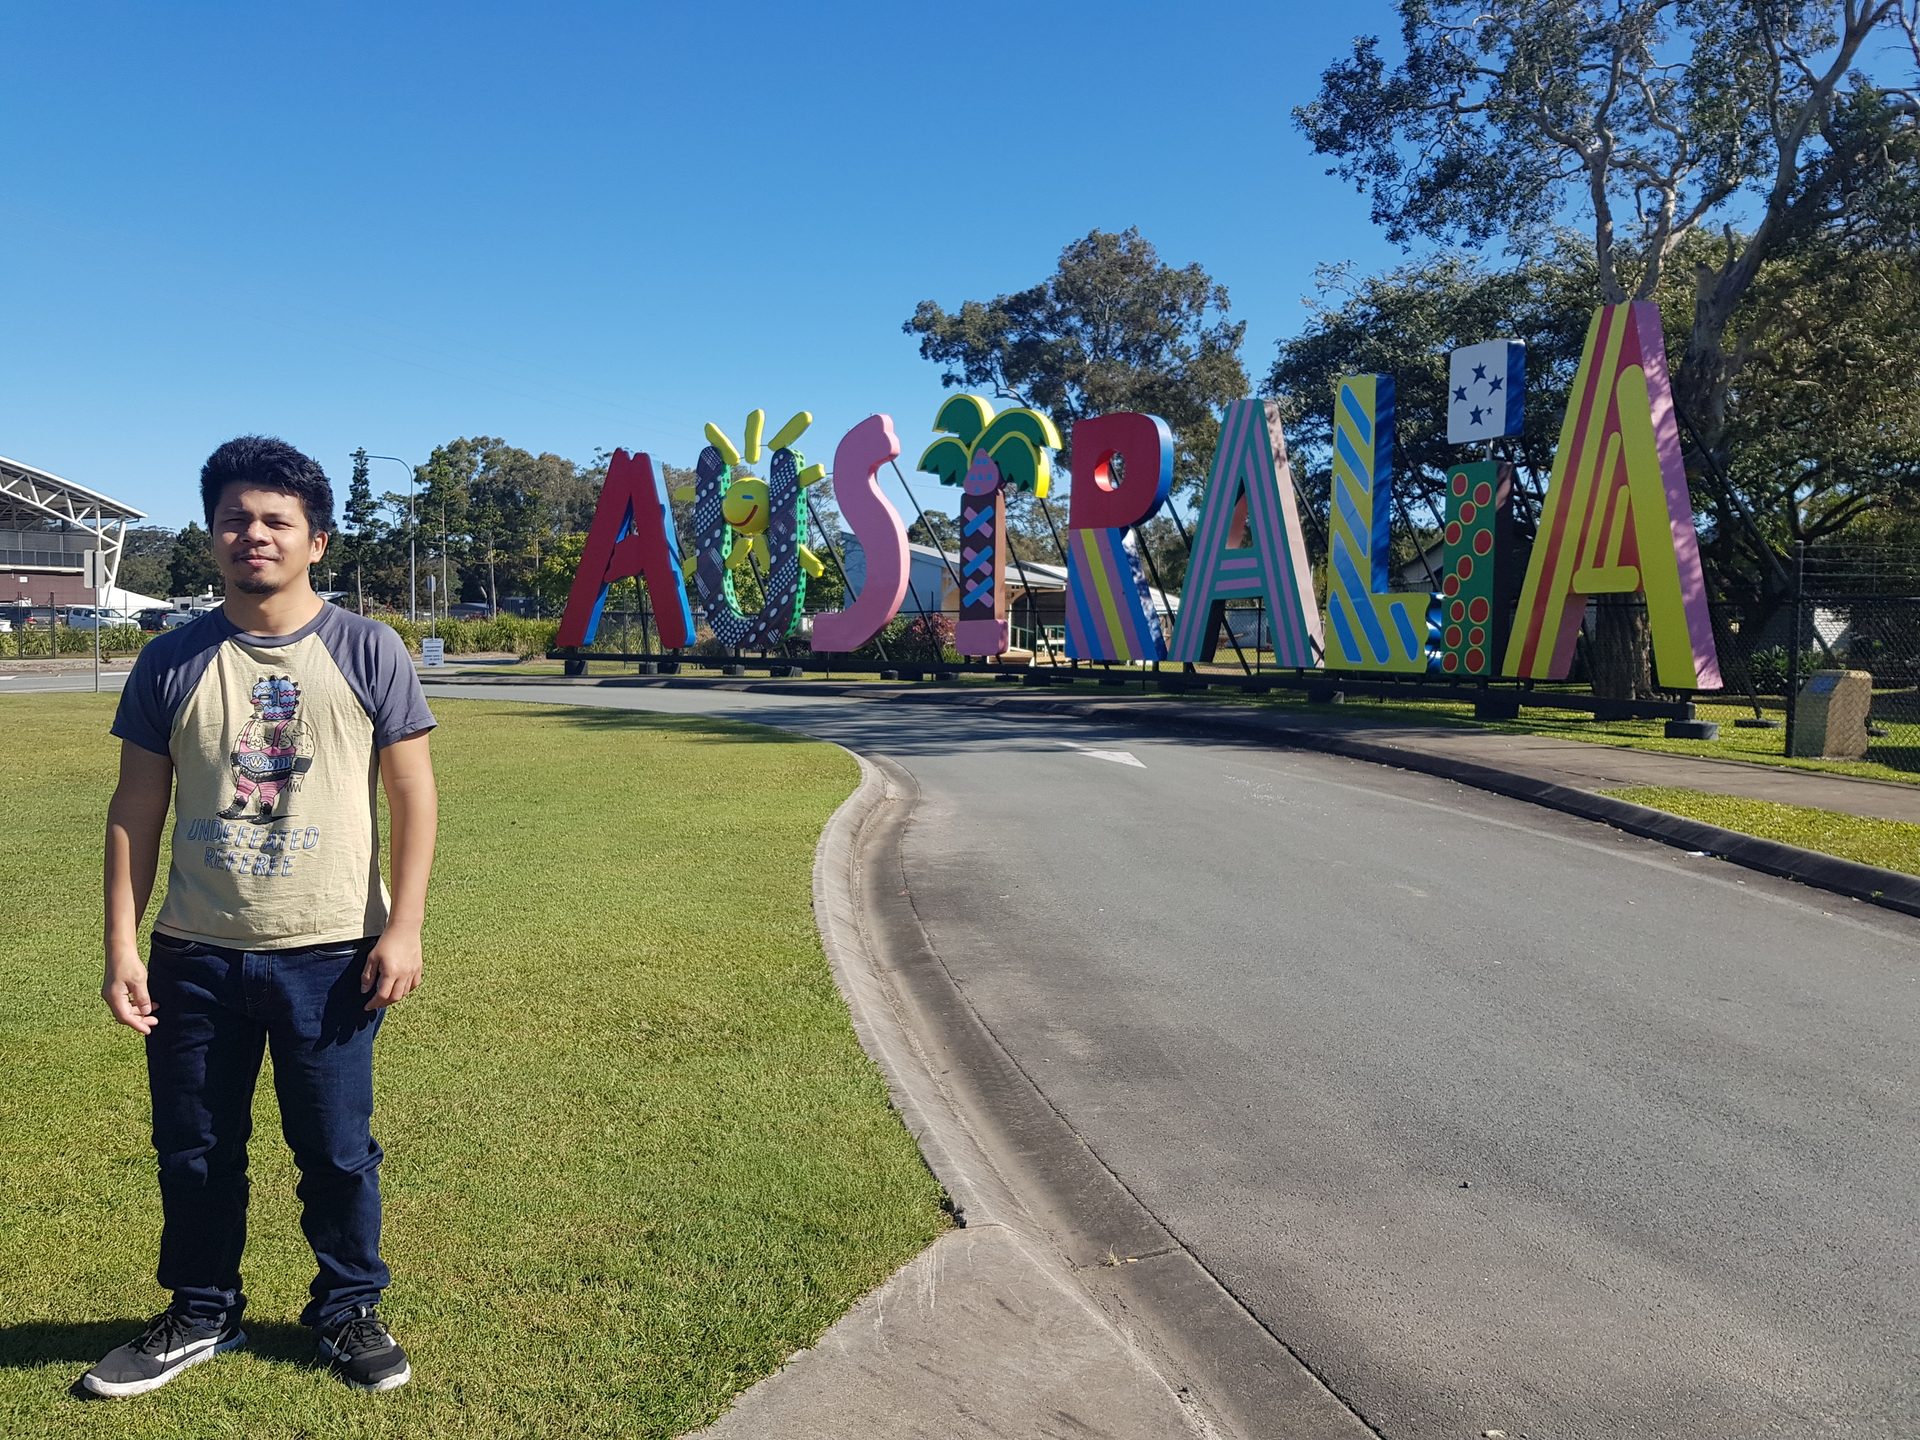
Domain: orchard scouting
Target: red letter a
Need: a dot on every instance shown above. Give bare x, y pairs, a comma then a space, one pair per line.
631, 534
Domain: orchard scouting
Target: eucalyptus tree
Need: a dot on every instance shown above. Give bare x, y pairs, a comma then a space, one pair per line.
1655, 122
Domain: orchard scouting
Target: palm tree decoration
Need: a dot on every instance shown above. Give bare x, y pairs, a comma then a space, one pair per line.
983, 453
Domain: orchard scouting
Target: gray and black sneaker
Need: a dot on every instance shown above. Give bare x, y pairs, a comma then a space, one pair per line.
170, 1343
364, 1354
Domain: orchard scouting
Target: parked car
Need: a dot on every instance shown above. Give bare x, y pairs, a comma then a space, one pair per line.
89, 617
470, 610
174, 619
154, 617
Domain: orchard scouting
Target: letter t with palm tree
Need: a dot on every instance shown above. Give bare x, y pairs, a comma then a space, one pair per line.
983, 453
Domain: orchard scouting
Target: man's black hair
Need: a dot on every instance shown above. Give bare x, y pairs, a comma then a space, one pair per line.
269, 464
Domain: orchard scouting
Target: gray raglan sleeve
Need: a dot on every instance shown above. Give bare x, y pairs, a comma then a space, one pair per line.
375, 661
143, 717
163, 675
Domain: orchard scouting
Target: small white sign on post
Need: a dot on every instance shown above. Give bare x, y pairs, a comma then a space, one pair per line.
433, 652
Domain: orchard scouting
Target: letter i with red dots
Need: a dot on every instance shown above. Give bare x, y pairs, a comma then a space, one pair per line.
1478, 494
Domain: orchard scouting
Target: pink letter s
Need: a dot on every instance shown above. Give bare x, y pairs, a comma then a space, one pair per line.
883, 539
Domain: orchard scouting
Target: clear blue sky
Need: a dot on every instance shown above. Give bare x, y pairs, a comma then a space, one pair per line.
574, 226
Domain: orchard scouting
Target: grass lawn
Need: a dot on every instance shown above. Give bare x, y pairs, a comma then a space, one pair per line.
1890, 844
635, 1157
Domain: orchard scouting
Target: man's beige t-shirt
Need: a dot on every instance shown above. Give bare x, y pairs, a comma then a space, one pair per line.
275, 743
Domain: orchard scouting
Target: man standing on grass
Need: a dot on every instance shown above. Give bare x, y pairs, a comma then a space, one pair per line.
268, 720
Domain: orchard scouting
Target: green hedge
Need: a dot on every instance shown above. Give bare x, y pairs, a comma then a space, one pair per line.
504, 635
114, 640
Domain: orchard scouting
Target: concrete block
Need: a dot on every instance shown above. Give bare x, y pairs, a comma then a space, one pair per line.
1693, 730
1830, 716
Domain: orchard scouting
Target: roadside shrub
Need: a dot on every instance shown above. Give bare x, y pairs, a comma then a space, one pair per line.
114, 640
124, 639
507, 634
1768, 668
906, 638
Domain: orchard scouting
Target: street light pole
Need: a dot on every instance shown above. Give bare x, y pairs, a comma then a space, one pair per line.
413, 580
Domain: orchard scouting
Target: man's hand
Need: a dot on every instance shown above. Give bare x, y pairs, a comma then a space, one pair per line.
392, 971
125, 991
134, 817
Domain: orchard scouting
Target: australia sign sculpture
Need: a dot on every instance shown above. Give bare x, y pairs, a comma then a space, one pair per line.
1617, 520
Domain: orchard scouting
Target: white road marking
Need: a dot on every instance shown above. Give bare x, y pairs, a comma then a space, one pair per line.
1118, 757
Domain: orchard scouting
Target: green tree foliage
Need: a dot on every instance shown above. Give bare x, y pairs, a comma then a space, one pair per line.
1816, 439
1659, 121
496, 509
1113, 328
145, 560
938, 529
368, 553
1402, 323
1166, 556
1820, 435
190, 567
357, 539
553, 578
360, 513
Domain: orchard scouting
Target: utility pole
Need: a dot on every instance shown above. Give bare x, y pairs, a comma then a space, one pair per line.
413, 532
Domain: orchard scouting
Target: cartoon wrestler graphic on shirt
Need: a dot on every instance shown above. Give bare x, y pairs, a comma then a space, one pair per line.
274, 751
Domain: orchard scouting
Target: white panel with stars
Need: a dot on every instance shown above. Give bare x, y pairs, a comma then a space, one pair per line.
1485, 384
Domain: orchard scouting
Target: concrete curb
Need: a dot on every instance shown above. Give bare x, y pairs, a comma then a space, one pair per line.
1010, 1163
976, 1192
984, 1334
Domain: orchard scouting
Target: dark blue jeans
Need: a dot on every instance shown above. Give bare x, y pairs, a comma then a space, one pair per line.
218, 1010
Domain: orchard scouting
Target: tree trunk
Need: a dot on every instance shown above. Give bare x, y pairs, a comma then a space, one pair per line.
1619, 649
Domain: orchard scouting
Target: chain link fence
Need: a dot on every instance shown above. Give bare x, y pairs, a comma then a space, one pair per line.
1857, 607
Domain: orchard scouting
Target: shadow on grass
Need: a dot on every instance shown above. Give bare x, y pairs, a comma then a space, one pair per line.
906, 730
705, 729
914, 727
82, 1342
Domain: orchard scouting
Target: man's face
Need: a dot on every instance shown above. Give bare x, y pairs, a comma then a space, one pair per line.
261, 540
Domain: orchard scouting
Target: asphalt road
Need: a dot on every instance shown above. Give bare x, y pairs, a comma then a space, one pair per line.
1499, 1119
28, 681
